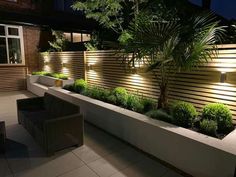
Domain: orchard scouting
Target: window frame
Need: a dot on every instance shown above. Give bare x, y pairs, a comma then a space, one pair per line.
7, 36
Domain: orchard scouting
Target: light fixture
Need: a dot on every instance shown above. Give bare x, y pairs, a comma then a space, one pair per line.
46, 62
223, 77
89, 67
64, 65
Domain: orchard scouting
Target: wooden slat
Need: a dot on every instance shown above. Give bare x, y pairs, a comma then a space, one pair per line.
12, 78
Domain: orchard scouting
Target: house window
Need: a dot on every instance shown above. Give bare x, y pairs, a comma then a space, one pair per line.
11, 45
77, 37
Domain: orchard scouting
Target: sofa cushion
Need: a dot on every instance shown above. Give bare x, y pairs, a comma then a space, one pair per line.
59, 107
37, 117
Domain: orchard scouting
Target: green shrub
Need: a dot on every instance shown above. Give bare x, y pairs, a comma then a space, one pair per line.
148, 104
160, 115
80, 85
134, 103
60, 76
121, 96
98, 93
183, 114
48, 74
69, 87
208, 127
111, 99
41, 73
219, 113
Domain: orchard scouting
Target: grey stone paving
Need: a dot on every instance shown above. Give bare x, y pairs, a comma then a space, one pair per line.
102, 155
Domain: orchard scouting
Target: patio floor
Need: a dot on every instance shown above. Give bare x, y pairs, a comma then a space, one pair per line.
102, 155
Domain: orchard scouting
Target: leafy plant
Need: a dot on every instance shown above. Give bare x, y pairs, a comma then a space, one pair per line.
134, 103
69, 87
170, 46
59, 43
59, 76
183, 114
208, 127
121, 95
112, 99
93, 44
160, 115
98, 93
219, 113
148, 104
80, 85
41, 73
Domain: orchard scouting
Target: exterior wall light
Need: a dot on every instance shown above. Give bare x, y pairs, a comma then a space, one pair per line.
46, 62
64, 65
223, 77
89, 67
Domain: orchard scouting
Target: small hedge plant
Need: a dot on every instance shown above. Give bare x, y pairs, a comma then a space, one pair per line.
55, 75
208, 127
80, 85
121, 95
40, 73
183, 114
160, 115
134, 103
221, 114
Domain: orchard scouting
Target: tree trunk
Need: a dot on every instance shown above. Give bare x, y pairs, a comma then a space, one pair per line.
162, 100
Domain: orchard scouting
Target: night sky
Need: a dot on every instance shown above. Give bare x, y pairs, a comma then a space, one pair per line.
225, 8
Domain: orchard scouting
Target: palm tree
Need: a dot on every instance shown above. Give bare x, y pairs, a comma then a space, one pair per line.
167, 47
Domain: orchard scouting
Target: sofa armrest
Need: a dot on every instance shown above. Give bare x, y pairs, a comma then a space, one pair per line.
63, 132
30, 103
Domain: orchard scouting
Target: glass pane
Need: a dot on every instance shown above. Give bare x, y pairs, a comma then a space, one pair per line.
14, 50
2, 31
13, 31
86, 37
68, 36
3, 51
76, 37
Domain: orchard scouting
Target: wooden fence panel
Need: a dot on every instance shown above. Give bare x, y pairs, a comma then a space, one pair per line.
105, 69
70, 63
13, 78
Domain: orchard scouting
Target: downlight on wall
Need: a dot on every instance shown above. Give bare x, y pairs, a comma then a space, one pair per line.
223, 77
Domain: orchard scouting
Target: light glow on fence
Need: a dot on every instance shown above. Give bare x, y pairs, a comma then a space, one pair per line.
136, 78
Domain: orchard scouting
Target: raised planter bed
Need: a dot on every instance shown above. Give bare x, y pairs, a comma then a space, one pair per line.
192, 152
39, 84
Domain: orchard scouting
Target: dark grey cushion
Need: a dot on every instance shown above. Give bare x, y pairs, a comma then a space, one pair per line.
37, 117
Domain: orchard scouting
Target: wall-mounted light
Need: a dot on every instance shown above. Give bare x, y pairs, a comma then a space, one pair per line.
223, 77
64, 65
89, 67
46, 62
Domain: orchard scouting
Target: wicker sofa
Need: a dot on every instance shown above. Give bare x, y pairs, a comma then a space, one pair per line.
54, 123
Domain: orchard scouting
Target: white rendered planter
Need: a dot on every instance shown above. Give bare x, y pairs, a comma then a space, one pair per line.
192, 152
40, 84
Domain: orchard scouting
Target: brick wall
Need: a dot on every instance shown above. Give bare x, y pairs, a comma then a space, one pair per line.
19, 5
31, 36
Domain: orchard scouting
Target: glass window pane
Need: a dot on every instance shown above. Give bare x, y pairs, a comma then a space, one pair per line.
14, 50
2, 31
3, 51
86, 37
76, 37
68, 36
13, 31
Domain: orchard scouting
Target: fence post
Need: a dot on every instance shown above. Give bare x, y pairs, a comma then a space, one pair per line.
85, 66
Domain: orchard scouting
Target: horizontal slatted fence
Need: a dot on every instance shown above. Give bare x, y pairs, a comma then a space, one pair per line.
70, 63
12, 78
200, 87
